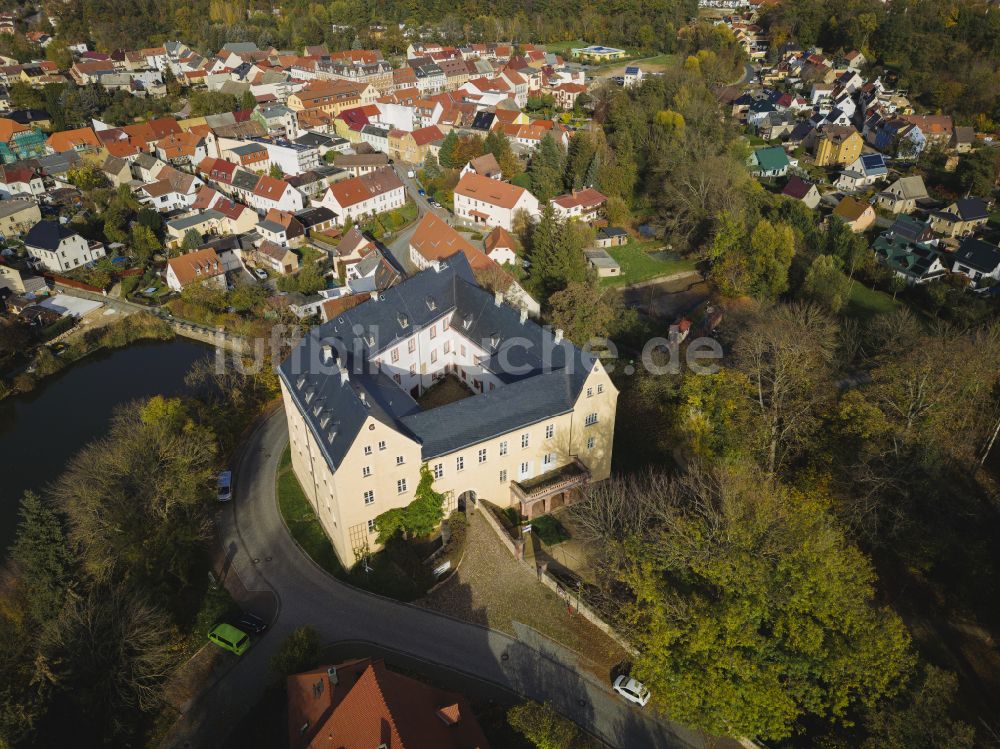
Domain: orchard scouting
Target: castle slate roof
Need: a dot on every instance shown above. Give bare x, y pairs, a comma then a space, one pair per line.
336, 407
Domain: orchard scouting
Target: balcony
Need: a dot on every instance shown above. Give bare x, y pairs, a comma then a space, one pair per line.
550, 490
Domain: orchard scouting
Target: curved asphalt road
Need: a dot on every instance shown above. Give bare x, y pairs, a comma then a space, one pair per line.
267, 559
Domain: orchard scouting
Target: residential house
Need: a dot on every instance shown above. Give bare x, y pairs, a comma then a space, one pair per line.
277, 121
936, 128
963, 139
769, 162
911, 229
59, 248
361, 163
353, 247
500, 246
586, 205
270, 192
19, 141
485, 165
200, 266
916, 262
20, 179
331, 97
367, 195
977, 259
82, 140
837, 144
414, 147
203, 223
276, 257
118, 171
481, 200
19, 282
18, 215
799, 189
566, 94
316, 219
863, 172
366, 705
376, 136
183, 148
249, 155
961, 218
902, 195
281, 228
857, 214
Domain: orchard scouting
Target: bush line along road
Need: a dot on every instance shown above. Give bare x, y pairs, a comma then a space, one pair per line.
266, 558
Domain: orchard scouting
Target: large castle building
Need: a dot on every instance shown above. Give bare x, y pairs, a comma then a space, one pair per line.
439, 371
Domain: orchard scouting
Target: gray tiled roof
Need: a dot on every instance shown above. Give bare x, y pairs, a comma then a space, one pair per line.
533, 391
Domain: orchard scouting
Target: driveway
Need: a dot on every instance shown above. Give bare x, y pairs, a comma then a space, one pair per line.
399, 245
266, 559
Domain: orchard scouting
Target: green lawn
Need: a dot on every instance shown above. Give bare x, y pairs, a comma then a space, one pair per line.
301, 520
309, 254
639, 265
549, 530
563, 48
866, 304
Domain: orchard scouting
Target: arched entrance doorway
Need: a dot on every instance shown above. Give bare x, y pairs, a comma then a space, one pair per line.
467, 501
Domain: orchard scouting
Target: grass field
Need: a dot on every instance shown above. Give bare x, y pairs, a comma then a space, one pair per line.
301, 520
563, 48
866, 304
639, 265
656, 64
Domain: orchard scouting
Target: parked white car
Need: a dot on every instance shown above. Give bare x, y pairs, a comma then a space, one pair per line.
632, 690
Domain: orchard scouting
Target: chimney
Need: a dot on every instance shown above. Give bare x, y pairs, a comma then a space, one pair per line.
497, 298
374, 295
436, 266
524, 315
344, 375
327, 353
558, 336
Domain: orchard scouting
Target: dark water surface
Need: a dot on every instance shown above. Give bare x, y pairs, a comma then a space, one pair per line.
42, 430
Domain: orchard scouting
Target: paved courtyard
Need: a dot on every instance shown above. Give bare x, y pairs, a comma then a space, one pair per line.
493, 589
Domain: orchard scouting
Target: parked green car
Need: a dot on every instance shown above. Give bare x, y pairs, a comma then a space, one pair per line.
227, 637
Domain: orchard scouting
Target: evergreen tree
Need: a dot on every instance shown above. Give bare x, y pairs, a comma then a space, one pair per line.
432, 169
556, 252
41, 555
582, 151
248, 101
498, 144
546, 170
449, 151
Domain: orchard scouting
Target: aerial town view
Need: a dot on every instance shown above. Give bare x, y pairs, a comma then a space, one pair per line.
559, 375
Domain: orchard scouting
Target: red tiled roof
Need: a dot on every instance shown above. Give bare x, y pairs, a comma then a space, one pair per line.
488, 190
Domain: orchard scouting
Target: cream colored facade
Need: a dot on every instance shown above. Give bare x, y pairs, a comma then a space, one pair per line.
381, 469
381, 457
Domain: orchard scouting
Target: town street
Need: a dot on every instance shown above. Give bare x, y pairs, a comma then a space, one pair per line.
259, 549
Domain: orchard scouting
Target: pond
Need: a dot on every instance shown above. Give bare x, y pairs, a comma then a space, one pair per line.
42, 430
